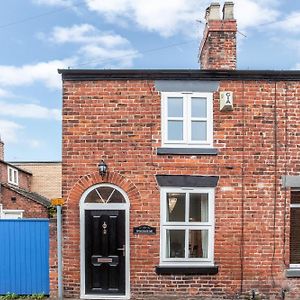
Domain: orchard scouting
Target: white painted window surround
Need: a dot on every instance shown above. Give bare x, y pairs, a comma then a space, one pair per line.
12, 175
187, 119
10, 213
187, 226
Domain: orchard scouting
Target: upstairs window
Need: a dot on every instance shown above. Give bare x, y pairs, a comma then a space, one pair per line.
13, 175
187, 119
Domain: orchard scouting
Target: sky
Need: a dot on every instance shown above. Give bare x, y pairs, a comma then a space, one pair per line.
40, 36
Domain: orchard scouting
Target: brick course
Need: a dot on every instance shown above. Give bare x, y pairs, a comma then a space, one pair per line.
120, 122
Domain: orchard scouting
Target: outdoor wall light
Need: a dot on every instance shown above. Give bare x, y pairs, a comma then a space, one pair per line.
102, 166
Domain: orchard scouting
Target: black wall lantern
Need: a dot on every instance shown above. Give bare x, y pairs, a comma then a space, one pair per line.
102, 166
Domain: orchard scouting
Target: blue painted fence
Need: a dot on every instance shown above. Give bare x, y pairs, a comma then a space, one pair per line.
24, 256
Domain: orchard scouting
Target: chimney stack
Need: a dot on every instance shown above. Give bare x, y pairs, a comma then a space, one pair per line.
1, 149
218, 46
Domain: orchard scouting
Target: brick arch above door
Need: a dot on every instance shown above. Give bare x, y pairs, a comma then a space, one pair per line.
89, 180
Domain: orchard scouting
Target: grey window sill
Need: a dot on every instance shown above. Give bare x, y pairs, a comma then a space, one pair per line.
292, 273
186, 151
176, 270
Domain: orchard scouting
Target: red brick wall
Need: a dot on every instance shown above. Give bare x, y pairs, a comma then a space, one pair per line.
218, 47
119, 121
31, 209
53, 275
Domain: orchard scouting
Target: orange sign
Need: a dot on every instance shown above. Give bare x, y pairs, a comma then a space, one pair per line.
57, 202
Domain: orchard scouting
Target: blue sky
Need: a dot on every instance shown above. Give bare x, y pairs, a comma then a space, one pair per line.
40, 36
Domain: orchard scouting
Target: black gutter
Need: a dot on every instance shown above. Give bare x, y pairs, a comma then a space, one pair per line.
93, 74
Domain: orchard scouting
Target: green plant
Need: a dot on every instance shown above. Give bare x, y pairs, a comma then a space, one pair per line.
38, 296
11, 296
51, 211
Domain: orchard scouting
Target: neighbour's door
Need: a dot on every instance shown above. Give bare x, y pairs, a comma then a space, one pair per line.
105, 252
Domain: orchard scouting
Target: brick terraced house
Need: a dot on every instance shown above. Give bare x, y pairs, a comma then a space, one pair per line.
17, 198
198, 193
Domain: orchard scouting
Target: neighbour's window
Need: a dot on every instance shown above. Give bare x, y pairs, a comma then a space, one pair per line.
11, 214
295, 230
187, 226
187, 119
13, 175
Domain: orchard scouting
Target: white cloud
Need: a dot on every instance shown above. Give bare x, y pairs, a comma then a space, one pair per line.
109, 58
32, 111
12, 132
9, 131
97, 48
5, 93
291, 23
86, 34
64, 3
169, 17
251, 13
165, 17
45, 72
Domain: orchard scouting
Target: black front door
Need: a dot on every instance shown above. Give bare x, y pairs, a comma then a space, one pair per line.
105, 252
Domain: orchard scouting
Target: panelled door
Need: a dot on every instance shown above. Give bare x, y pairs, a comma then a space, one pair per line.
104, 240
105, 252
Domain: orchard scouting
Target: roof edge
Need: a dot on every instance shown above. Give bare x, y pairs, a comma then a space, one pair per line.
16, 167
178, 74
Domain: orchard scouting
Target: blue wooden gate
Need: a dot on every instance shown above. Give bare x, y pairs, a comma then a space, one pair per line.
24, 256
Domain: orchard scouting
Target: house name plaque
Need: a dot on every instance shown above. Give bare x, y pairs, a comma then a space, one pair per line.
144, 229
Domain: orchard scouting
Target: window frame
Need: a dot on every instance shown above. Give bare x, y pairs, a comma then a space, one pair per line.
186, 225
187, 119
14, 178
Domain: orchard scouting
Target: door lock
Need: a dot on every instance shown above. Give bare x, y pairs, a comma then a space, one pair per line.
122, 249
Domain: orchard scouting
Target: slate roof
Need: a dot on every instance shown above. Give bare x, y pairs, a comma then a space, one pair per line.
30, 195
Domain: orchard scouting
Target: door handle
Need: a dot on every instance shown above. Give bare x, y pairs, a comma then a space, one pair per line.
122, 249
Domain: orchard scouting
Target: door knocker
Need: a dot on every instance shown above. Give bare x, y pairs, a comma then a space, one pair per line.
104, 226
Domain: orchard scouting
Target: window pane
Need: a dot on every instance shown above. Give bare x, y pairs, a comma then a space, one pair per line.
10, 175
117, 197
175, 107
295, 236
93, 197
175, 243
176, 207
199, 131
15, 177
295, 197
105, 192
175, 130
199, 108
198, 243
198, 208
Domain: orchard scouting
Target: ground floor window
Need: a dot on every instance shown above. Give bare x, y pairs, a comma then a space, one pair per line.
295, 229
187, 226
